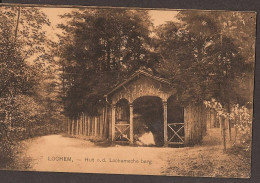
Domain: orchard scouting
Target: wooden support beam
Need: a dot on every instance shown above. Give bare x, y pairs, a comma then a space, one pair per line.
185, 126
88, 119
96, 126
99, 126
227, 124
77, 127
83, 127
85, 121
83, 124
208, 118
72, 127
102, 123
165, 123
68, 121
80, 125
131, 123
106, 126
113, 121
82, 119
92, 126
223, 131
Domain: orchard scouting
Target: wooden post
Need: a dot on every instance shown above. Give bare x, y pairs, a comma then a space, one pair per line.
113, 121
96, 126
79, 121
237, 117
216, 122
83, 124
83, 127
224, 135
80, 125
106, 126
72, 127
211, 119
227, 124
68, 121
92, 126
109, 123
77, 127
196, 124
102, 123
88, 119
220, 123
99, 126
87, 125
192, 122
186, 125
131, 123
165, 123
85, 119
199, 124
207, 118
223, 131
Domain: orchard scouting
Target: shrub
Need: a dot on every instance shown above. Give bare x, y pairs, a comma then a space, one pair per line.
243, 122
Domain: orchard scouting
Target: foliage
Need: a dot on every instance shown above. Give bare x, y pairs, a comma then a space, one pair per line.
208, 60
244, 126
7, 152
100, 47
243, 118
205, 55
22, 76
201, 54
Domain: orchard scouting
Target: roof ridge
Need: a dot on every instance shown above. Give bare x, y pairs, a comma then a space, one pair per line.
136, 73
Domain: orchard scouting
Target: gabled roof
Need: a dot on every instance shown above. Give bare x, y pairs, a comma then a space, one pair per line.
137, 74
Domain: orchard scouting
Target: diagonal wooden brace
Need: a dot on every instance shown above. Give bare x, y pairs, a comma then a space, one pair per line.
122, 132
176, 133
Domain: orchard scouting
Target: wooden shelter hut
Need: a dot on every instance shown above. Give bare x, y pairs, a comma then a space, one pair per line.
143, 102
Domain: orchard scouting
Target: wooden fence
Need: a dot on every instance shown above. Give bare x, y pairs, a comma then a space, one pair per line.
195, 123
200, 121
90, 126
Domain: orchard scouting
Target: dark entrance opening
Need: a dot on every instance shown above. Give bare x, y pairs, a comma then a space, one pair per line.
148, 119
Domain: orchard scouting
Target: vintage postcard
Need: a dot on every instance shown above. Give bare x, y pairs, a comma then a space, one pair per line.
126, 90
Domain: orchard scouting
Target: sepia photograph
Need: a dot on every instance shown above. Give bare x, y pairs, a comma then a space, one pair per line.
126, 90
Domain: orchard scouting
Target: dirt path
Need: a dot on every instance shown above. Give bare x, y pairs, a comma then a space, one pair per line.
63, 154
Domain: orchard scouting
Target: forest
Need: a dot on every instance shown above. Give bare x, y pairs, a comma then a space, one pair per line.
207, 56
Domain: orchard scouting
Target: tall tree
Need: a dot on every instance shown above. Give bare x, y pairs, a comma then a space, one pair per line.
22, 42
206, 59
21, 38
99, 48
27, 78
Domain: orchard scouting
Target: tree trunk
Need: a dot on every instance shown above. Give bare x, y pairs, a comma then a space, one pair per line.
223, 132
17, 22
235, 121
